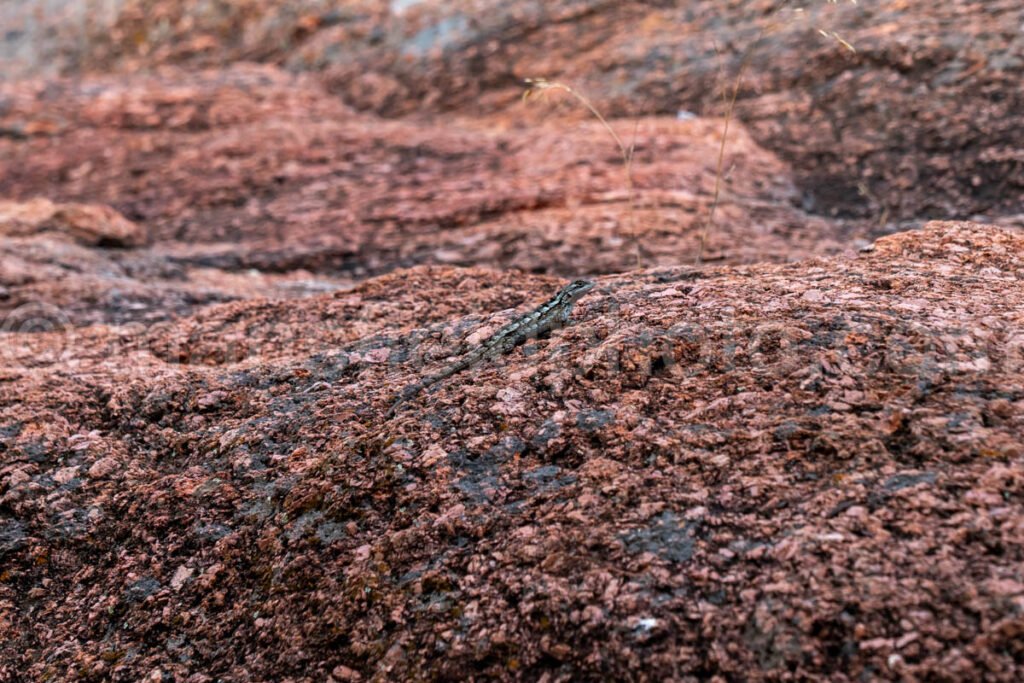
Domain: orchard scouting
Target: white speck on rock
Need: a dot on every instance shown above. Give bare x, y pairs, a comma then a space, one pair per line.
647, 624
182, 575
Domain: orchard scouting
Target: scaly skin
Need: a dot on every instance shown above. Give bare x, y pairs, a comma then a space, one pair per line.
550, 315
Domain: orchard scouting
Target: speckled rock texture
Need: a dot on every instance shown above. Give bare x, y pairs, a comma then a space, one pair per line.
232, 233
777, 470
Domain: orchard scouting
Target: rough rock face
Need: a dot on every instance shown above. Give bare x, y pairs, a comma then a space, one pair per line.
231, 233
251, 182
251, 168
97, 226
922, 120
811, 469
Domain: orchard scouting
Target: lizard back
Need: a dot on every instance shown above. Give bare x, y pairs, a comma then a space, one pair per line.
550, 315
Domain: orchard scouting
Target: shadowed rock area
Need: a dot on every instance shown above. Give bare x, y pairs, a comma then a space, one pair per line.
782, 444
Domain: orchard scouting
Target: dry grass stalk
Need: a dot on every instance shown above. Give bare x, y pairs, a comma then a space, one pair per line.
731, 107
536, 87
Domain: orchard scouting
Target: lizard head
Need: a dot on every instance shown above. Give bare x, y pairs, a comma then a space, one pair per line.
574, 291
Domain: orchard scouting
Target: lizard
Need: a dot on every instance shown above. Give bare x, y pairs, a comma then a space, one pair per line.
552, 314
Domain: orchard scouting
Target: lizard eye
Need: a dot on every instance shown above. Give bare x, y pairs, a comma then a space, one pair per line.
582, 285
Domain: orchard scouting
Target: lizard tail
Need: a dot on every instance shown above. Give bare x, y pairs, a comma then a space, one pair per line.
405, 395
